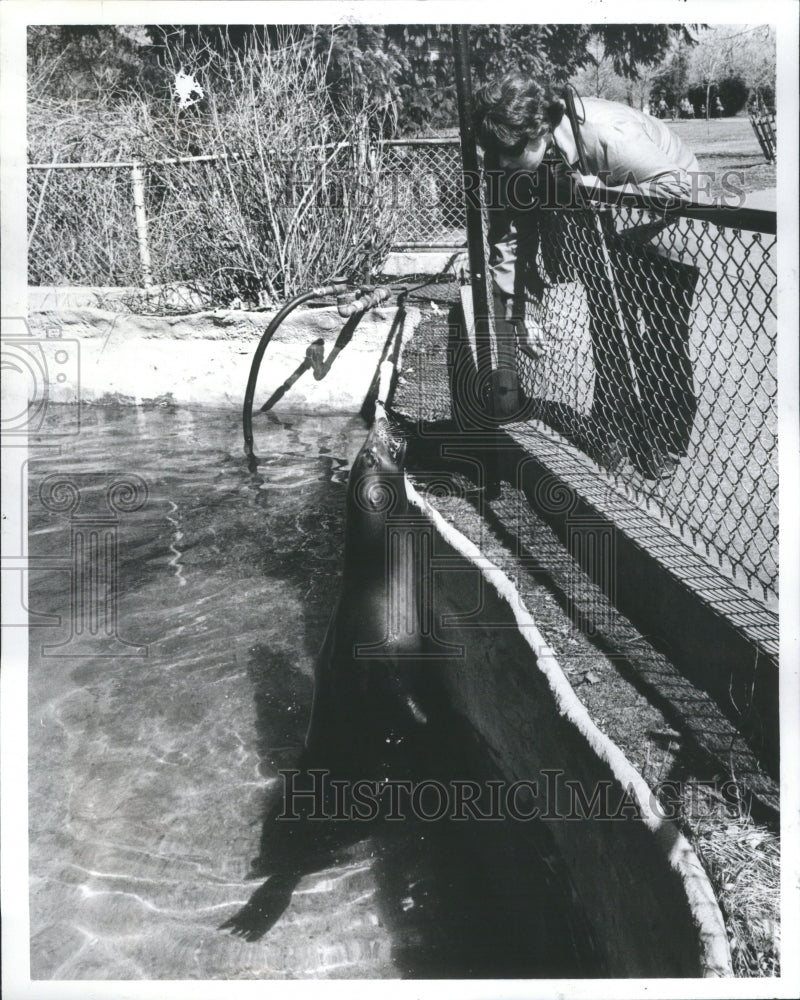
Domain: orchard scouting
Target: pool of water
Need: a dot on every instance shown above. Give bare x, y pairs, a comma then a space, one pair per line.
169, 686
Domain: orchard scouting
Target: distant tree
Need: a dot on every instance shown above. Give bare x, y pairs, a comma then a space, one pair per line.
755, 62
670, 79
726, 50
708, 64
765, 97
86, 61
732, 91
699, 95
598, 78
638, 91
631, 46
411, 65
414, 63
407, 67
612, 57
552, 53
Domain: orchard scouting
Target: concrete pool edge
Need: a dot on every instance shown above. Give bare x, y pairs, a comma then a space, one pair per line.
672, 846
93, 355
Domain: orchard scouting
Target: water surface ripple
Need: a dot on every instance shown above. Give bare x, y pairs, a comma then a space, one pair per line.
148, 774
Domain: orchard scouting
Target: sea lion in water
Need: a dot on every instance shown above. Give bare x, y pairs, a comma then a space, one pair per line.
371, 664
373, 687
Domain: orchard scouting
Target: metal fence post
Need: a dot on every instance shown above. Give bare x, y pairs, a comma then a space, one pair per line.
502, 381
137, 180
471, 181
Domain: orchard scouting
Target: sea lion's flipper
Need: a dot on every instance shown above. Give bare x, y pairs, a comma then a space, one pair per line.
264, 908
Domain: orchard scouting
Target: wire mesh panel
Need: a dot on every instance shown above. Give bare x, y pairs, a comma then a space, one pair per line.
238, 225
652, 348
422, 180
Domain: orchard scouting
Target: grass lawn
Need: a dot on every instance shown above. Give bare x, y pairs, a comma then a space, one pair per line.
727, 144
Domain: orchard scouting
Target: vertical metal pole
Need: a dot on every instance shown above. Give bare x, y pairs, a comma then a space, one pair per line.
502, 383
487, 382
363, 184
469, 155
137, 180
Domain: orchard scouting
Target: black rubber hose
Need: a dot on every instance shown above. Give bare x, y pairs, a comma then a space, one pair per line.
266, 337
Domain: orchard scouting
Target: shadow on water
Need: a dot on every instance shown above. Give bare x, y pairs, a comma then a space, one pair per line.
457, 898
460, 898
476, 897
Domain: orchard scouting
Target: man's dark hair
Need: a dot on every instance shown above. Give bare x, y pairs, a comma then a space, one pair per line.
513, 110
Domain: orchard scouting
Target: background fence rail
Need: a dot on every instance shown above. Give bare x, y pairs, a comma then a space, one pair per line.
106, 240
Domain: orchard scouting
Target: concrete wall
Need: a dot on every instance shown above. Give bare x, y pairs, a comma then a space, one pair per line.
201, 359
707, 647
647, 899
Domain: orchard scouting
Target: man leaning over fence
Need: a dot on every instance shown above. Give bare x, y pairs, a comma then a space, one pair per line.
639, 295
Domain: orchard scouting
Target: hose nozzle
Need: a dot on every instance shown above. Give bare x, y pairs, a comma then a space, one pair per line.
361, 303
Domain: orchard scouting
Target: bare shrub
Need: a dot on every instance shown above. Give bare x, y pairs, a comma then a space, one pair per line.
290, 200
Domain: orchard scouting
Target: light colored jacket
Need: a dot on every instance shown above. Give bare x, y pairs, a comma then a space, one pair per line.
626, 149
627, 146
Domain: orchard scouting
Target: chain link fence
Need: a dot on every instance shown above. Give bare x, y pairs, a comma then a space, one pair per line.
130, 224
658, 360
423, 178
77, 238
655, 356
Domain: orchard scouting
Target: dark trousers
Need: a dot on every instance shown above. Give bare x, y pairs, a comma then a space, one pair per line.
640, 309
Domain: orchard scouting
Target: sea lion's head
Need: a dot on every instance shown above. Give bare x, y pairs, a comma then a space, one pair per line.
376, 484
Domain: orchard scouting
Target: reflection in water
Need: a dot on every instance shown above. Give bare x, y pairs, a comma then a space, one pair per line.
154, 781
175, 563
